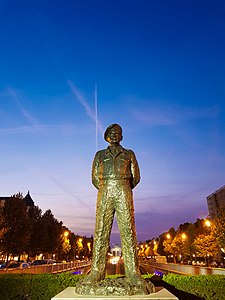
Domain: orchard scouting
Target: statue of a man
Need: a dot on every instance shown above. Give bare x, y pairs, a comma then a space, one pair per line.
115, 173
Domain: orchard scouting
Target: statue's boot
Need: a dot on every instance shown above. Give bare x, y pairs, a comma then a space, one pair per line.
138, 281
93, 278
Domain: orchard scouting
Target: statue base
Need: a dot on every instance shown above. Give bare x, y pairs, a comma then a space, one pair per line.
115, 287
160, 294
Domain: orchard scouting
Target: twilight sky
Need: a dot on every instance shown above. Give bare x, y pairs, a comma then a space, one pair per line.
159, 69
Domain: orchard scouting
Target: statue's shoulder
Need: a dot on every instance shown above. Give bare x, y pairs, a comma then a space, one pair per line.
100, 153
128, 152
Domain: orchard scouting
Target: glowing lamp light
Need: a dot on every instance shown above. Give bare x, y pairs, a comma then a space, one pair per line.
207, 223
66, 233
184, 236
168, 236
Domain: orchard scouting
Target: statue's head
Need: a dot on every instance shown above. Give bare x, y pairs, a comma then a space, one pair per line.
113, 132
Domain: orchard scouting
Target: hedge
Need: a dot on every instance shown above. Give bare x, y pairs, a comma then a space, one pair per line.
34, 287
209, 287
46, 286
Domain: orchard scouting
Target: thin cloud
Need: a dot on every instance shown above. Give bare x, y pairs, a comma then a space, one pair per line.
162, 114
64, 129
24, 112
89, 111
65, 189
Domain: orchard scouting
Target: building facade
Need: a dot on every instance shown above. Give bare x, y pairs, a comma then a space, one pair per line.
116, 250
28, 200
215, 201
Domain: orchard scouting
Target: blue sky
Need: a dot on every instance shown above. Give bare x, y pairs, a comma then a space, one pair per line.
159, 68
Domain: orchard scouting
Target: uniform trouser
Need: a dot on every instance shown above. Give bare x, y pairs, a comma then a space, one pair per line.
115, 197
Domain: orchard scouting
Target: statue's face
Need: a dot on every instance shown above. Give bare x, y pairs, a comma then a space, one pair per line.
115, 135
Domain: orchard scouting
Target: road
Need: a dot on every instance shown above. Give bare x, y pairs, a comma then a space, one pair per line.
147, 267
118, 268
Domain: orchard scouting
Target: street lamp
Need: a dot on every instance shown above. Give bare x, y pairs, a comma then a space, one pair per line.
184, 236
89, 246
66, 233
168, 236
207, 223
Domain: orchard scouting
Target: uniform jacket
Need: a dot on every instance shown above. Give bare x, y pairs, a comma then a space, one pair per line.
107, 166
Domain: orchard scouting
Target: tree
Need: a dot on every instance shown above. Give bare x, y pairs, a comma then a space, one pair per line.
177, 246
73, 246
64, 246
189, 246
167, 244
33, 247
14, 226
50, 230
165, 240
149, 249
206, 246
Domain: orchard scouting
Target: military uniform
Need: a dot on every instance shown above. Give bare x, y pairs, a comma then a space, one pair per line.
115, 174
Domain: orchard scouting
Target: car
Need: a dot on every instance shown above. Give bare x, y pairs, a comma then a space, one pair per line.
2, 265
24, 265
51, 261
38, 262
13, 265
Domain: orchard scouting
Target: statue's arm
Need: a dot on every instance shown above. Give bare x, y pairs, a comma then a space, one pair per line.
95, 178
135, 171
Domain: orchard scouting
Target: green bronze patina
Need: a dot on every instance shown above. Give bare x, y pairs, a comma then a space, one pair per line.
115, 172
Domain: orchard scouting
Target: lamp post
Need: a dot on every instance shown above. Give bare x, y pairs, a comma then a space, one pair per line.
66, 243
168, 241
183, 236
80, 246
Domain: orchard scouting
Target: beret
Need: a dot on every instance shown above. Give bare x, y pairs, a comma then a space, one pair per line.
109, 128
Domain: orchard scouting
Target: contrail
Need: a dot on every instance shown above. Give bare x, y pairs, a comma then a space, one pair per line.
25, 113
96, 116
62, 187
89, 111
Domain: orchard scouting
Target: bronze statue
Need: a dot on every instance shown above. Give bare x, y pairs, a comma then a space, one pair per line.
115, 173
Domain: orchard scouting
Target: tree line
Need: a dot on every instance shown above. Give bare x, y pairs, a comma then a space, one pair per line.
204, 239
28, 230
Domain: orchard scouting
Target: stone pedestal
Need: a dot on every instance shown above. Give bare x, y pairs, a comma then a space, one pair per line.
160, 294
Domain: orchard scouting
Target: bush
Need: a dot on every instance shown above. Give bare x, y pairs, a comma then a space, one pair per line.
46, 286
206, 286
34, 287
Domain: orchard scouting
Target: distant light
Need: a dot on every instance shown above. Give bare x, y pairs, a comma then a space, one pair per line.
168, 236
207, 223
79, 272
158, 273
184, 236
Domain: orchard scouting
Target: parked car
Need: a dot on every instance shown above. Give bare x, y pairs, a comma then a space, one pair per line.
24, 265
13, 264
38, 262
51, 261
2, 265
